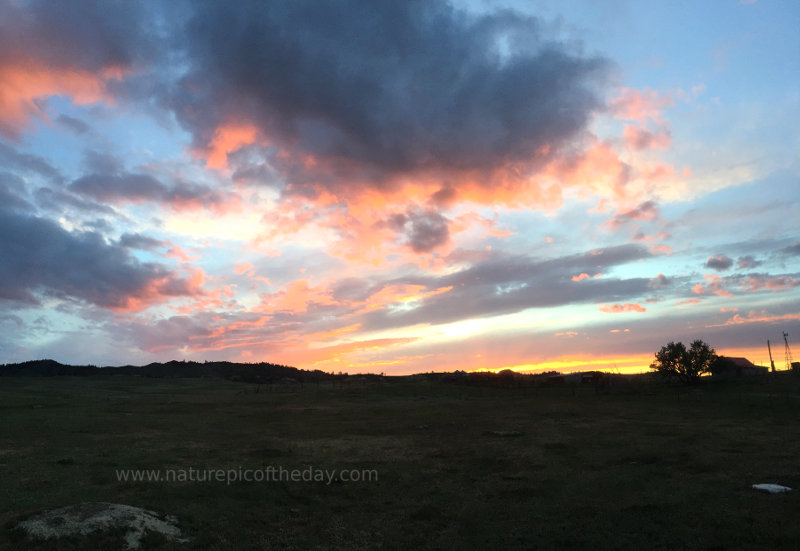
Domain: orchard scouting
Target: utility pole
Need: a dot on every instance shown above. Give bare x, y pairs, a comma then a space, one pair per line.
770, 357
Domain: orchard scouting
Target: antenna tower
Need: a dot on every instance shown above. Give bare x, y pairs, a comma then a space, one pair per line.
788, 351
771, 363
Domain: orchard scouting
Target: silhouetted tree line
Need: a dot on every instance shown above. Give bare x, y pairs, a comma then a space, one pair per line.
260, 373
508, 378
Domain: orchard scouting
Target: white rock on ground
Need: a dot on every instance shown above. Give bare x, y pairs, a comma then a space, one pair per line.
771, 488
84, 518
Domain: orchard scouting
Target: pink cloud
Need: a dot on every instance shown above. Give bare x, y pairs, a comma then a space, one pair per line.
640, 138
245, 268
639, 105
780, 283
713, 285
757, 317
177, 252
162, 290
619, 308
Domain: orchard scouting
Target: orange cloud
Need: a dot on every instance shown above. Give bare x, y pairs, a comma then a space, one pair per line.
228, 138
583, 275
336, 354
597, 169
354, 216
23, 81
333, 333
399, 294
618, 308
297, 296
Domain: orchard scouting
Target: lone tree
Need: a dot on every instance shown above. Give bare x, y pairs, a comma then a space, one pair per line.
674, 361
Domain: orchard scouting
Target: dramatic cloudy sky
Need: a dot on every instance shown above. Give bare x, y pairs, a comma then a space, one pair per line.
398, 186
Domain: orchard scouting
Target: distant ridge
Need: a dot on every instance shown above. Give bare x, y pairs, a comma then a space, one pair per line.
247, 372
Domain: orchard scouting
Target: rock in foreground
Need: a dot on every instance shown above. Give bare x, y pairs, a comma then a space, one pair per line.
87, 518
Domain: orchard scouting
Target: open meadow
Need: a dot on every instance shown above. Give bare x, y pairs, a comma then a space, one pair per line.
639, 465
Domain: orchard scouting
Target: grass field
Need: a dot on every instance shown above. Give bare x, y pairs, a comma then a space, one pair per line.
459, 467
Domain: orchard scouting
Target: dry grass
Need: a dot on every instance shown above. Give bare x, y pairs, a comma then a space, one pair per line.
459, 467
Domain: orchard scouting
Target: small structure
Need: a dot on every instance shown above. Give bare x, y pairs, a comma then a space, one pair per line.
737, 367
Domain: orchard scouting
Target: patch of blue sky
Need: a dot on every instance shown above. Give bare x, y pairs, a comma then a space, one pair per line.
129, 134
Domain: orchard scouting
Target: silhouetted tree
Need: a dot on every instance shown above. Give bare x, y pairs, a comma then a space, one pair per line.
675, 361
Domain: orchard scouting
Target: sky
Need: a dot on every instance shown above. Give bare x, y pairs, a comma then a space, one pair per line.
398, 187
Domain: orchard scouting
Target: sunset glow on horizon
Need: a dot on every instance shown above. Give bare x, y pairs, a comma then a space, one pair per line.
399, 187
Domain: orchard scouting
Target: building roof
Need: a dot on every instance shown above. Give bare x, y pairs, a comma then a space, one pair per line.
740, 362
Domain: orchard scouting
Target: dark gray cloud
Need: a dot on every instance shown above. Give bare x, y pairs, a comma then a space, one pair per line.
90, 34
501, 285
352, 289
201, 330
139, 241
74, 125
138, 187
10, 197
425, 230
97, 162
747, 262
119, 187
660, 282
719, 263
791, 250
165, 334
42, 258
397, 86
445, 197
428, 231
57, 199
11, 159
371, 87
107, 181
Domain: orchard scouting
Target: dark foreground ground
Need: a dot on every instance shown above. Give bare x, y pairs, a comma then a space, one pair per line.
640, 466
